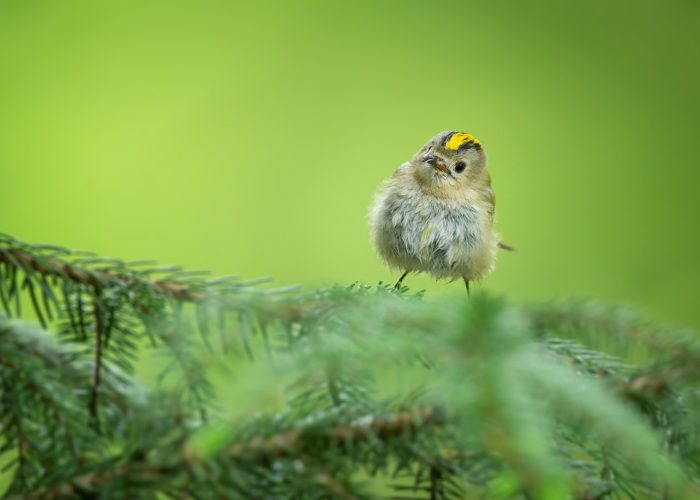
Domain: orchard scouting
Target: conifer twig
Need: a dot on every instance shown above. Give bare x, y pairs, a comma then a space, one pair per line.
95, 389
95, 279
82, 484
293, 441
46, 400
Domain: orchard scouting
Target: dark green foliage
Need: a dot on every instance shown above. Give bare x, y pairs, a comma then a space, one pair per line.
347, 392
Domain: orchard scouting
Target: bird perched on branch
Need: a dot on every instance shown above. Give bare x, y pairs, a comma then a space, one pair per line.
435, 214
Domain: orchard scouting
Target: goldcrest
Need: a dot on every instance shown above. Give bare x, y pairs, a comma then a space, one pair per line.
435, 214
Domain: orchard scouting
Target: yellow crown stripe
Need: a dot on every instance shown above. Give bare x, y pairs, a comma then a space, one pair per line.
458, 139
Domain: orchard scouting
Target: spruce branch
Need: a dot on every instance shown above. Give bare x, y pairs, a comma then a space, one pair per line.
616, 323
45, 399
96, 279
447, 399
293, 443
85, 486
297, 441
99, 339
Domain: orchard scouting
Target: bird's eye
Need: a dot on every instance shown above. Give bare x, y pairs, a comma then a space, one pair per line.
459, 167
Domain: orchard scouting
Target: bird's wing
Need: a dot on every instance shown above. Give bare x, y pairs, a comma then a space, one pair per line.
401, 168
489, 198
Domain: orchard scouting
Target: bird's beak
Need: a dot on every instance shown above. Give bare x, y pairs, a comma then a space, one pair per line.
436, 163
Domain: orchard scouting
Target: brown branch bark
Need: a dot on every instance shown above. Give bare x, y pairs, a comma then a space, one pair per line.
95, 279
292, 442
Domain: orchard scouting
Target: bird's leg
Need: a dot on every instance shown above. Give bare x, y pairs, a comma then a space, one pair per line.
466, 282
398, 283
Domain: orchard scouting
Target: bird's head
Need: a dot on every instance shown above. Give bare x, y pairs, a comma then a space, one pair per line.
450, 161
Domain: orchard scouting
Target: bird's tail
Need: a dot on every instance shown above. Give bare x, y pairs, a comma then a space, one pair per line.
506, 247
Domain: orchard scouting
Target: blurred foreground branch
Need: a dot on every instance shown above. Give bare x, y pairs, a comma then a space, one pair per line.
347, 392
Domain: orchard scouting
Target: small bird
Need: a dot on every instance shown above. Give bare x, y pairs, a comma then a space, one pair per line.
435, 214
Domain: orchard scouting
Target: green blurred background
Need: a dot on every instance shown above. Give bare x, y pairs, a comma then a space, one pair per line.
249, 138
